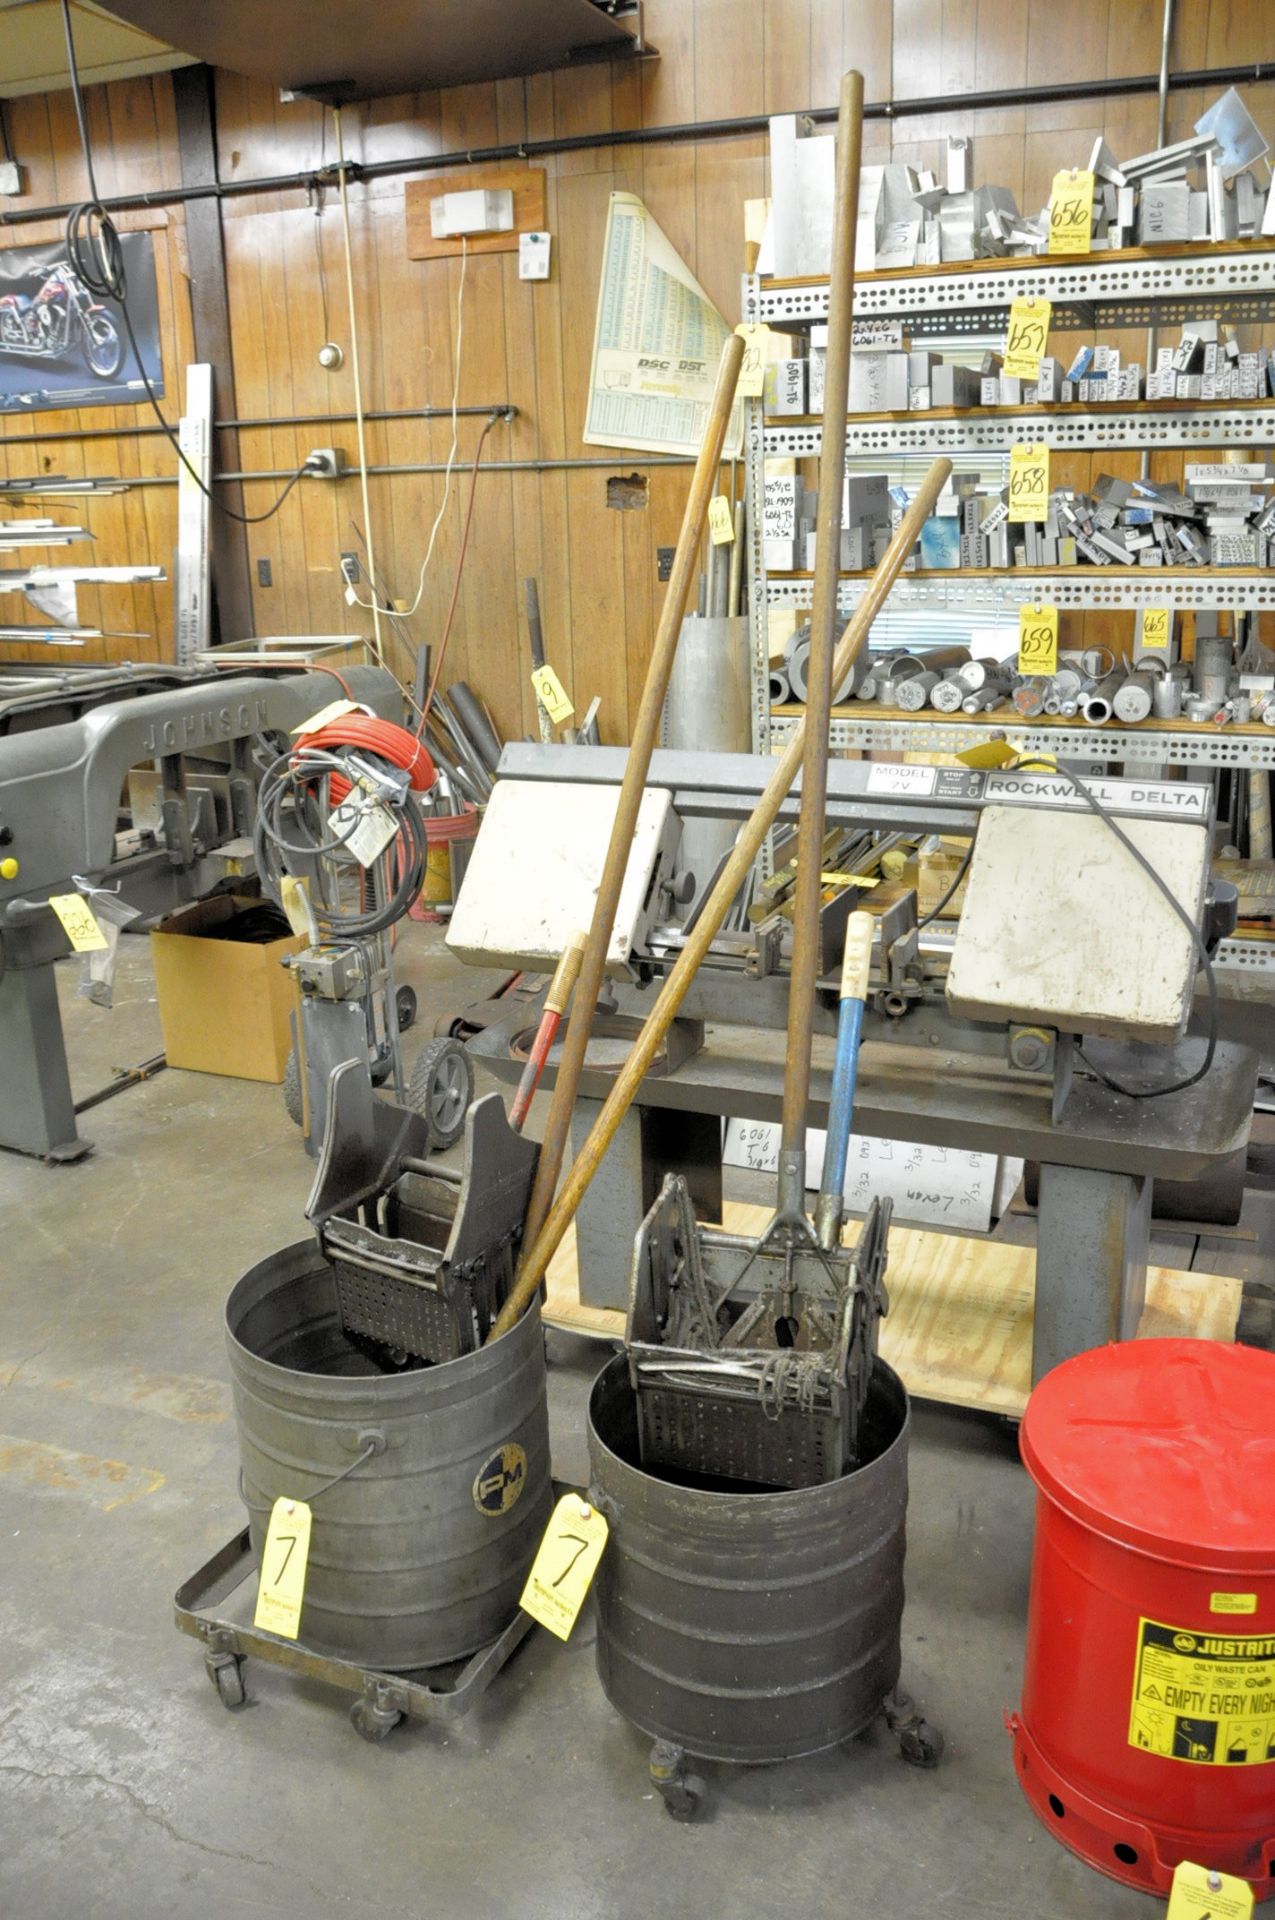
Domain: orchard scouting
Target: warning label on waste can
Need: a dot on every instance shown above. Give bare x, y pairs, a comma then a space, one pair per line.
1203, 1697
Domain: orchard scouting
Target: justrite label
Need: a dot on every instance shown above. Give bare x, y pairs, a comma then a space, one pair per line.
1204, 1697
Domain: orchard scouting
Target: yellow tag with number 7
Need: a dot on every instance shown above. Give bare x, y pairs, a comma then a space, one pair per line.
283, 1567
565, 1564
79, 922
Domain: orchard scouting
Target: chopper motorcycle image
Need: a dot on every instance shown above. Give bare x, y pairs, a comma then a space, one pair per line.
60, 320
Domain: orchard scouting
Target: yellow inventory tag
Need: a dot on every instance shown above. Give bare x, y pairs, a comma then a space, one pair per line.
1028, 482
1155, 629
721, 521
549, 692
752, 373
79, 922
1071, 211
565, 1564
283, 1566
1198, 1893
988, 753
1037, 639
1027, 336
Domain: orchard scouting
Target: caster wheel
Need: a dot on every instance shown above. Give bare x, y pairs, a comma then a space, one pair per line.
225, 1670
921, 1745
292, 1089
405, 1001
684, 1798
371, 1722
440, 1090
381, 1070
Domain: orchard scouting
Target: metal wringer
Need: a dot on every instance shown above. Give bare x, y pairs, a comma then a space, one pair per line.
751, 1360
422, 1255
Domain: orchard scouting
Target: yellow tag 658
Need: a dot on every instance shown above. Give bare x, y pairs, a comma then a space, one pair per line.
1028, 482
565, 1564
283, 1568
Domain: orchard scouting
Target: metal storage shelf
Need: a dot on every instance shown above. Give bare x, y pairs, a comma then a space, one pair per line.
1074, 589
1137, 287
1063, 428
865, 727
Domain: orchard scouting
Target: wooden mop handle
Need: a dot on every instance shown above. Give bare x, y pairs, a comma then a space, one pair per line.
747, 846
636, 767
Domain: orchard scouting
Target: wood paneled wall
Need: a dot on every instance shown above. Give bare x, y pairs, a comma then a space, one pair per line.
529, 343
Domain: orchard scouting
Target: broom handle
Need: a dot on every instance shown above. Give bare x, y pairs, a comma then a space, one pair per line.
747, 846
807, 895
636, 767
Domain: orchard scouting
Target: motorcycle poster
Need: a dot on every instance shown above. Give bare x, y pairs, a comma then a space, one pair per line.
61, 346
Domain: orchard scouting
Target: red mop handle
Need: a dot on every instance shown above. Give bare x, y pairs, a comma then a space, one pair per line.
564, 979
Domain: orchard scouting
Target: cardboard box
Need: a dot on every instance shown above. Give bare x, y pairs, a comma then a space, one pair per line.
224, 999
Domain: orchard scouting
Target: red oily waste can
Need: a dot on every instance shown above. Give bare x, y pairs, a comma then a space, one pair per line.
1146, 1734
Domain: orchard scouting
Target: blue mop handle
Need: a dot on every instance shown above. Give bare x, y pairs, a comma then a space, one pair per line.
854, 992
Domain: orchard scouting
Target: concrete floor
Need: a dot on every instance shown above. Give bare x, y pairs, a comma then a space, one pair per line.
126, 1789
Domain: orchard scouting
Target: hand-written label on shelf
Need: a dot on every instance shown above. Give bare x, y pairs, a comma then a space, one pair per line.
1154, 630
721, 521
1071, 211
565, 1563
283, 1568
1028, 482
779, 510
752, 374
1037, 639
876, 335
1027, 336
551, 695
79, 922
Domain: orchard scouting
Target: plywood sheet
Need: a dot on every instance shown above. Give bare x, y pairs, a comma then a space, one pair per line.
960, 1322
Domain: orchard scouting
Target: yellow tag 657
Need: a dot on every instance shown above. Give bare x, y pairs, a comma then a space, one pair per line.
565, 1564
1027, 336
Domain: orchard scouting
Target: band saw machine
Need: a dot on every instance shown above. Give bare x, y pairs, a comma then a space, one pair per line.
1066, 995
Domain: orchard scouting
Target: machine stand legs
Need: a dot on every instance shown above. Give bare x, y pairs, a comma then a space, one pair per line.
682, 1792
1093, 1234
920, 1744
39, 1113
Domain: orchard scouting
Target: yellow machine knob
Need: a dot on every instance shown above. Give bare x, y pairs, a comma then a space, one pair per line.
8, 868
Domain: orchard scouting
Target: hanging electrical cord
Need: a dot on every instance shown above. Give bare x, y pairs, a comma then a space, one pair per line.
1029, 765
96, 255
460, 562
370, 606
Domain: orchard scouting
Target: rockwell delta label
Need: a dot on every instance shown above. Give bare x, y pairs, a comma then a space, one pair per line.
1204, 1697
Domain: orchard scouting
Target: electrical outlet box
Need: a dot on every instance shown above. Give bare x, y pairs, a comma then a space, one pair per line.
11, 180
479, 210
533, 256
350, 569
325, 463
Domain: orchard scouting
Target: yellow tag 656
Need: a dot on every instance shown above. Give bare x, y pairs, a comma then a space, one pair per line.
1071, 211
283, 1567
565, 1564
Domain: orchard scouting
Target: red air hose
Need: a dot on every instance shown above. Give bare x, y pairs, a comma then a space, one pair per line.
381, 737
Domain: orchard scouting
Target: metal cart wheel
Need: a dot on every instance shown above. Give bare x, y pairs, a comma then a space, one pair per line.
441, 1088
683, 1793
371, 1722
292, 1089
921, 1745
405, 1001
225, 1670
